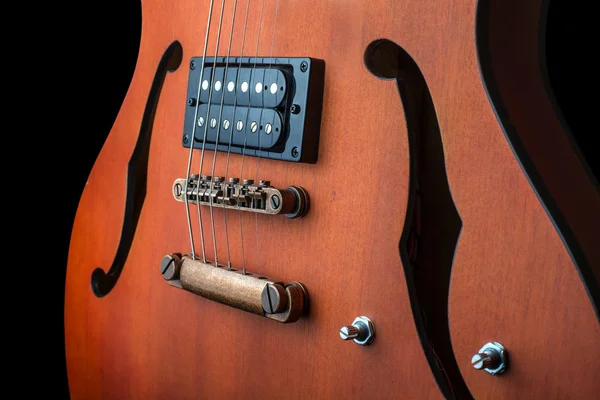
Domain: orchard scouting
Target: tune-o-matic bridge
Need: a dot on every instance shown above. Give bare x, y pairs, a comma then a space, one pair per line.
293, 201
267, 107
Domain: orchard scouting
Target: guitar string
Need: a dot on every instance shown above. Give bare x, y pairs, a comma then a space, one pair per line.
236, 84
206, 124
252, 72
189, 166
272, 123
223, 184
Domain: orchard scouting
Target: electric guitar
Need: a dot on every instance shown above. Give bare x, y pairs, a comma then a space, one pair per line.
335, 199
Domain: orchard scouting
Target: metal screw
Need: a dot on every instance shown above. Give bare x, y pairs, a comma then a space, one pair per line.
349, 332
193, 65
275, 202
165, 263
170, 266
248, 181
303, 66
200, 121
226, 124
362, 331
178, 190
234, 180
485, 360
295, 152
240, 125
185, 138
253, 127
274, 298
295, 109
492, 358
268, 129
191, 102
213, 122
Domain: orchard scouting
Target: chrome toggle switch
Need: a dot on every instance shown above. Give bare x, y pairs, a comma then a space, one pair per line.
362, 331
492, 358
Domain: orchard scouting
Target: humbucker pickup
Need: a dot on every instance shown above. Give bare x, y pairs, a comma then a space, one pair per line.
267, 107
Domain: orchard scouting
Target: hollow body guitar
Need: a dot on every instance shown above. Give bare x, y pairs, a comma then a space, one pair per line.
283, 175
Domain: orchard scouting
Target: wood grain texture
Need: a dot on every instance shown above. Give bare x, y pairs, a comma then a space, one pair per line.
513, 279
147, 339
516, 33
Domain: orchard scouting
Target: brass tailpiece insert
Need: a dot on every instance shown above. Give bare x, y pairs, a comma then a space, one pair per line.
293, 201
248, 292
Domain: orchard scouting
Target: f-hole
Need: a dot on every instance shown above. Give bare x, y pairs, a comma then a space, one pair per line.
137, 175
432, 224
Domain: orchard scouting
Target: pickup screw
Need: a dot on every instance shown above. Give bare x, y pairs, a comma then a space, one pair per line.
185, 138
275, 202
295, 109
191, 102
295, 152
303, 66
193, 65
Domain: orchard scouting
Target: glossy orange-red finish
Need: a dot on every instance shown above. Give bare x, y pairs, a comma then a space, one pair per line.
146, 339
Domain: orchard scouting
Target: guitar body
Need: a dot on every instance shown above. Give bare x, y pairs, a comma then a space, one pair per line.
516, 278
147, 339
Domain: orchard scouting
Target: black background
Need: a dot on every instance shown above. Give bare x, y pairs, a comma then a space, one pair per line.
100, 45
94, 57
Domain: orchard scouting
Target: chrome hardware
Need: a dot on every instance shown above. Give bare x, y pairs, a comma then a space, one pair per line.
362, 331
349, 332
492, 358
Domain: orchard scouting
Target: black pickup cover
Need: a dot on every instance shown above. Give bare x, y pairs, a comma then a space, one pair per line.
263, 106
